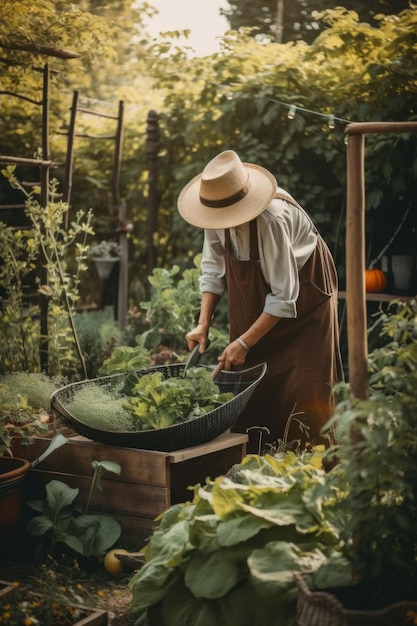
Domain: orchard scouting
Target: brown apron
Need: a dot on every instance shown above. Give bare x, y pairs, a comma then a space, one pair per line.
302, 354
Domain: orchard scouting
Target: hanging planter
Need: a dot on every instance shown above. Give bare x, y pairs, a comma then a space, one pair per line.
105, 255
104, 266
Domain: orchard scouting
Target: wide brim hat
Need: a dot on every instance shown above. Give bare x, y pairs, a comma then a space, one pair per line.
227, 193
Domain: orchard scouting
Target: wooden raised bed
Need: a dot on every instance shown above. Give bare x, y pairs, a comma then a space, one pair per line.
149, 481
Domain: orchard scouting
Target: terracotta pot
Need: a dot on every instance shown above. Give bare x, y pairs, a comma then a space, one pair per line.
12, 473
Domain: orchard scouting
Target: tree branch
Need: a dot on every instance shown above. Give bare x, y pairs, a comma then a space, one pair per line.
40, 49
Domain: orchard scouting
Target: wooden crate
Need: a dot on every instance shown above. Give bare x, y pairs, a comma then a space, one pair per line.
149, 481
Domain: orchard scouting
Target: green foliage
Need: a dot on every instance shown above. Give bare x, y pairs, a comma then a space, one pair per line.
213, 107
355, 68
146, 400
159, 402
44, 245
378, 451
59, 520
25, 400
173, 306
229, 555
126, 359
99, 407
98, 334
298, 17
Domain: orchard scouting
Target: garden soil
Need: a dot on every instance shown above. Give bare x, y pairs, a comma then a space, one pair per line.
96, 588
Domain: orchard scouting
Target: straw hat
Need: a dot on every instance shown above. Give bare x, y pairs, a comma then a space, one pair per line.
227, 193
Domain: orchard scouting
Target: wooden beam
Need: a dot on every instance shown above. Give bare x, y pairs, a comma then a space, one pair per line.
36, 48
355, 269
355, 248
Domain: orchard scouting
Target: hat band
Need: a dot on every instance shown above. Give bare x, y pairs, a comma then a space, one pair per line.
218, 204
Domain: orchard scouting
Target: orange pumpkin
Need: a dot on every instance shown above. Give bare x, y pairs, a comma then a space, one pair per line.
375, 280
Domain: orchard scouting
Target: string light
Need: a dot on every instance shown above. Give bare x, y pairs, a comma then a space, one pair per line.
291, 112
293, 109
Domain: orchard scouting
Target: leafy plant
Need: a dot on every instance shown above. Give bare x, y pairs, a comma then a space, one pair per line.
146, 400
60, 521
104, 249
159, 402
100, 407
377, 461
24, 406
173, 305
47, 244
98, 334
228, 556
126, 359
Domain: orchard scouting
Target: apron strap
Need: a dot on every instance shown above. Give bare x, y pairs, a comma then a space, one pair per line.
253, 241
284, 195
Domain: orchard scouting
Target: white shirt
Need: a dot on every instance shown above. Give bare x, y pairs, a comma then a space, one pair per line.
286, 239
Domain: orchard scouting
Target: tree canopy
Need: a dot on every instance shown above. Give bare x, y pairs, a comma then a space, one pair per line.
239, 98
292, 20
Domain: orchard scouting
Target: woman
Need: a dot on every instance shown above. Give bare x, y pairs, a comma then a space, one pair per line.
281, 283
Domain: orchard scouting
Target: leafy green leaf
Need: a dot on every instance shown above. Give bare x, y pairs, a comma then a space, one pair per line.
39, 525
240, 529
97, 533
151, 584
169, 547
72, 542
272, 568
59, 495
183, 608
109, 466
211, 575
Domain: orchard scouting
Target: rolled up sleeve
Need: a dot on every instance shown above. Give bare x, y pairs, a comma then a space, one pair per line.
213, 266
280, 265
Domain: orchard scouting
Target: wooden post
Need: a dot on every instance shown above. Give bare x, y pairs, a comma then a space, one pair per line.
69, 159
355, 248
355, 268
153, 198
44, 179
121, 214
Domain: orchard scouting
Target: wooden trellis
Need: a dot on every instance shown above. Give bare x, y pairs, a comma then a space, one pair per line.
118, 207
45, 164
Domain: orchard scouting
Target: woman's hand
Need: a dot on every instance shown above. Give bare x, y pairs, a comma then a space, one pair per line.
199, 335
233, 355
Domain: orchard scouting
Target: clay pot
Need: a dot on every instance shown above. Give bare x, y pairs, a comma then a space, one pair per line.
13, 471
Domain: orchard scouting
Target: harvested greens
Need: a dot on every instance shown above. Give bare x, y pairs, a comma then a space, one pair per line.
154, 402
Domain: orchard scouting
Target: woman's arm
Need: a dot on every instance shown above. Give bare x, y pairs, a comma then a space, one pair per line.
235, 354
199, 334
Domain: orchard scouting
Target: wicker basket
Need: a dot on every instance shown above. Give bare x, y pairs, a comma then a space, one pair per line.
319, 608
184, 435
